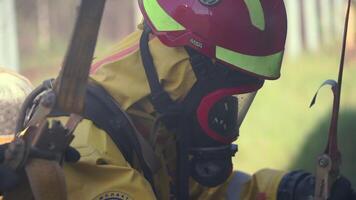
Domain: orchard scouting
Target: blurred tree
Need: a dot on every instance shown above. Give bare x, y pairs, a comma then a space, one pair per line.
8, 35
43, 24
333, 19
312, 37
319, 22
326, 22
62, 18
27, 27
119, 20
302, 23
294, 44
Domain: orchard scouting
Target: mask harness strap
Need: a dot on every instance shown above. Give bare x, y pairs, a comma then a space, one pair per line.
171, 114
160, 99
200, 64
175, 114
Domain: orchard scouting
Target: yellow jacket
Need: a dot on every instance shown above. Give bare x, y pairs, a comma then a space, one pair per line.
102, 172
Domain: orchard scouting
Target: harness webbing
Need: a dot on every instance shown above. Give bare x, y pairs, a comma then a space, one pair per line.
160, 99
105, 113
170, 114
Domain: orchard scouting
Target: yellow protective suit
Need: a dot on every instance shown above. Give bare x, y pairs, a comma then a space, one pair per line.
102, 172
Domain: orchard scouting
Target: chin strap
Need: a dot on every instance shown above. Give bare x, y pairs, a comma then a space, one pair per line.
160, 99
329, 162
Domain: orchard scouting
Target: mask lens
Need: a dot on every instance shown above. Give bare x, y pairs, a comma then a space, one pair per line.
226, 116
221, 113
223, 116
244, 103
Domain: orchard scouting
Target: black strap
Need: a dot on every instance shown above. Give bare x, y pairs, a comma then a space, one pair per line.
174, 112
170, 112
149, 66
101, 110
160, 99
105, 113
117, 125
200, 63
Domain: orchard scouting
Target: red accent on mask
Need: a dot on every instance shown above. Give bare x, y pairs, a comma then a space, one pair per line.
210, 100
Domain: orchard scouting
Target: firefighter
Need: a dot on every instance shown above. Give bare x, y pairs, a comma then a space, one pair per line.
186, 79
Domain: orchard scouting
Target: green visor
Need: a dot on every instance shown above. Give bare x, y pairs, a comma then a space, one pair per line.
267, 66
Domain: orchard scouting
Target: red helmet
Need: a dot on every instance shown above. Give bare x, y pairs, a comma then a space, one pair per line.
246, 34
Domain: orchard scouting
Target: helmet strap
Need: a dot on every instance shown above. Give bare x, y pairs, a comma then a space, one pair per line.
160, 99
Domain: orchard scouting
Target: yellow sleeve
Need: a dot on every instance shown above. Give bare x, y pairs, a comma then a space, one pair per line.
263, 185
102, 172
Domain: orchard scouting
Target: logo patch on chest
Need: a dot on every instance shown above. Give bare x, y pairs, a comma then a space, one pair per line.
113, 195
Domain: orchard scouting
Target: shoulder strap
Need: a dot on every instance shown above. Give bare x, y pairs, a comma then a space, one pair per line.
107, 115
160, 99
104, 111
101, 110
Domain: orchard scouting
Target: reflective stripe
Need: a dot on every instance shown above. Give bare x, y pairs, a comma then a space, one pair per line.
256, 13
267, 66
113, 58
160, 19
235, 186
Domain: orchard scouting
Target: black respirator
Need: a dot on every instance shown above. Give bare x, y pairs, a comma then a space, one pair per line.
207, 121
213, 112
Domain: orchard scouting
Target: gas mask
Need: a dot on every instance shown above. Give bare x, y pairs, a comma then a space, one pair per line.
213, 112
207, 121
214, 129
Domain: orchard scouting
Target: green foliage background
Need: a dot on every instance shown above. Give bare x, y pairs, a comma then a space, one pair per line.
282, 132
